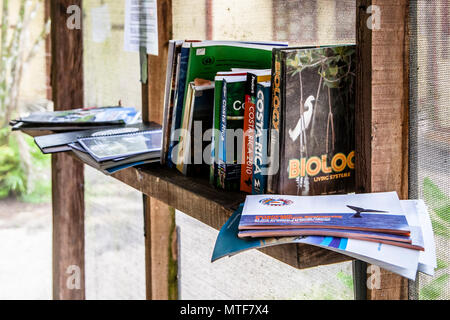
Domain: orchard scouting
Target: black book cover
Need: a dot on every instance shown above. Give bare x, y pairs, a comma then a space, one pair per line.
317, 127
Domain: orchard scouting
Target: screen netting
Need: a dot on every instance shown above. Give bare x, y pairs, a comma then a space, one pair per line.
115, 253
430, 131
254, 275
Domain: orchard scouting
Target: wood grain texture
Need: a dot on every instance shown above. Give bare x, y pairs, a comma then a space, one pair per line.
67, 173
196, 198
161, 258
382, 113
157, 64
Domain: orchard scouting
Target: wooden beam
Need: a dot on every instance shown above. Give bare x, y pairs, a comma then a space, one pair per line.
161, 242
67, 173
196, 198
382, 111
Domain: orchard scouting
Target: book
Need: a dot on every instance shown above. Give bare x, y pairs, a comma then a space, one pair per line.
253, 78
112, 166
178, 101
313, 121
180, 151
207, 58
113, 147
173, 60
403, 261
231, 123
260, 154
83, 117
218, 83
374, 212
51, 128
199, 121
58, 142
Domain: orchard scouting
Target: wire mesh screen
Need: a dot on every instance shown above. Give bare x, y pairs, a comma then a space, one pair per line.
253, 275
115, 253
430, 130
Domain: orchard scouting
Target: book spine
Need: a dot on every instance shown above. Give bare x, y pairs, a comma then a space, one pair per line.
178, 104
275, 123
169, 99
259, 182
249, 128
221, 166
216, 127
232, 118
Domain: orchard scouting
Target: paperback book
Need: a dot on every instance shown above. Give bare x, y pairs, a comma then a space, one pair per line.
374, 212
253, 77
104, 148
312, 121
403, 261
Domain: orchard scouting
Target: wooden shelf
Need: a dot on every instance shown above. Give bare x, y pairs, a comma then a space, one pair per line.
196, 198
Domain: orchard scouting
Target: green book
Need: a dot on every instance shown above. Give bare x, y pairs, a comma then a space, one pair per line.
208, 58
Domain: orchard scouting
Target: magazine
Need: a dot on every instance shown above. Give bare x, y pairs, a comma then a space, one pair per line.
375, 212
58, 142
403, 261
87, 116
105, 148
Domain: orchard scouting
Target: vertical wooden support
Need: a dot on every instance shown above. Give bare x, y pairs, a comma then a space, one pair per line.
382, 112
67, 173
161, 238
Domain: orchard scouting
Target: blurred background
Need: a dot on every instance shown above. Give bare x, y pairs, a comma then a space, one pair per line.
114, 237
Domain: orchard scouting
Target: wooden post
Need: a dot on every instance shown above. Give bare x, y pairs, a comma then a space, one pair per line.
160, 229
67, 173
382, 112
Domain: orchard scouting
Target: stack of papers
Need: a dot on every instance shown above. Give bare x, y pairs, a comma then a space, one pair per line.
395, 235
77, 119
114, 152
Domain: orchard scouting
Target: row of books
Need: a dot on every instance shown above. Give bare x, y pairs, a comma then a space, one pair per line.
377, 228
275, 119
107, 138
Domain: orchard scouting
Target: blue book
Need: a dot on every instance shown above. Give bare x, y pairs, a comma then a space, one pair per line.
373, 212
260, 158
178, 105
231, 121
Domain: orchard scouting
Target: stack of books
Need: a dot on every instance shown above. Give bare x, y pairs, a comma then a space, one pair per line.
110, 152
107, 138
377, 228
275, 119
197, 73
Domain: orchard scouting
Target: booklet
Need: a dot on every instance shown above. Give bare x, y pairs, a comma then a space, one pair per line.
85, 117
375, 212
403, 261
58, 142
112, 147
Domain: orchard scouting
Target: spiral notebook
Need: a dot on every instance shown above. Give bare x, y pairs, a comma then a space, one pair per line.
120, 146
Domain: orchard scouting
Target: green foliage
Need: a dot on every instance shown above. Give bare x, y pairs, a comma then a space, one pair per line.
439, 203
335, 63
14, 174
434, 289
346, 279
13, 177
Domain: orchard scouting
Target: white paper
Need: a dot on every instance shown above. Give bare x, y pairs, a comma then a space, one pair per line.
141, 26
384, 201
101, 24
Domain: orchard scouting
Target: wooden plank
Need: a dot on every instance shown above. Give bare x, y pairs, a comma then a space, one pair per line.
382, 113
161, 256
196, 198
161, 251
67, 174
